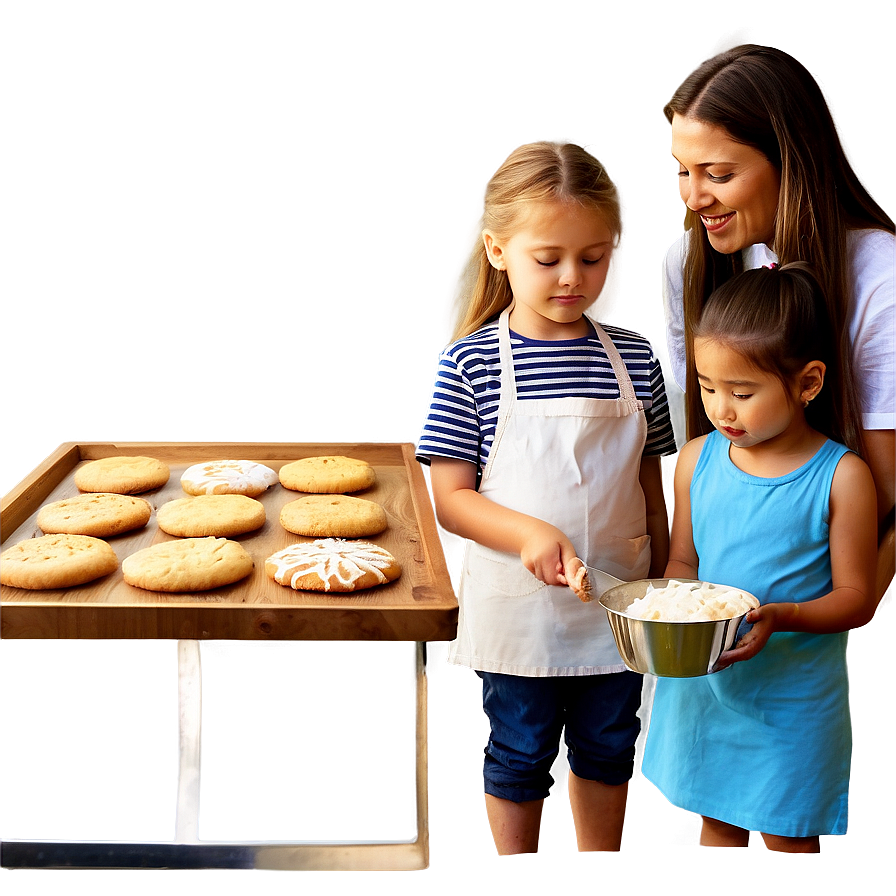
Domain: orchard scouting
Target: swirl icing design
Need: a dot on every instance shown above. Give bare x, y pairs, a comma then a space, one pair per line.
339, 564
221, 476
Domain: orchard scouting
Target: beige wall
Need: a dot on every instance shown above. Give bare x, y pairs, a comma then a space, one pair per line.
243, 220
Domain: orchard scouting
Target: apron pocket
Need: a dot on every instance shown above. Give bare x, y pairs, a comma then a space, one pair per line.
500, 572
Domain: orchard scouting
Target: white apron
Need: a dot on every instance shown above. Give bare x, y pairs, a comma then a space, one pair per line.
572, 462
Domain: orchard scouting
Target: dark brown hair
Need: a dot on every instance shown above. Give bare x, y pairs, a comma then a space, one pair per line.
766, 99
776, 318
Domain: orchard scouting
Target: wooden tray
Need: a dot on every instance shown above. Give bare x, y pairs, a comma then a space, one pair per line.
419, 606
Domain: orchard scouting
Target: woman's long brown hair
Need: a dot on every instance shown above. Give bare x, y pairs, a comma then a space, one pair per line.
764, 98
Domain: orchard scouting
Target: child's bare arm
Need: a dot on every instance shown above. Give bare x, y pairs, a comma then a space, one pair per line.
853, 600
650, 476
683, 559
543, 548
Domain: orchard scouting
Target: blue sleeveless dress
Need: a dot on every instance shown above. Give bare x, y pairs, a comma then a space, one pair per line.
764, 744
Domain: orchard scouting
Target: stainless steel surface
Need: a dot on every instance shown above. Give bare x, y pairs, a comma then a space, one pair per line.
601, 581
666, 649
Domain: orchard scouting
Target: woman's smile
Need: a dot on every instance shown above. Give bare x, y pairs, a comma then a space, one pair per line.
731, 186
716, 222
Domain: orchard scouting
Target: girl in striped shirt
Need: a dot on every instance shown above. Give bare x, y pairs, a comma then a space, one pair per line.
544, 439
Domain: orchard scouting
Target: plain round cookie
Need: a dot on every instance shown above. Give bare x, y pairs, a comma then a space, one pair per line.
100, 514
330, 475
127, 475
56, 561
228, 477
221, 515
331, 564
333, 516
188, 564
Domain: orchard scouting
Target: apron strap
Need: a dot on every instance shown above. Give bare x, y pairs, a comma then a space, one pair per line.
507, 396
627, 402
626, 388
508, 375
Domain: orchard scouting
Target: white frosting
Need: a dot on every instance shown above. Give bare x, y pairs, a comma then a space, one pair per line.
222, 476
333, 561
691, 602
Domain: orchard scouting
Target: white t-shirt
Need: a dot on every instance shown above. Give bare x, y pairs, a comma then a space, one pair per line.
872, 321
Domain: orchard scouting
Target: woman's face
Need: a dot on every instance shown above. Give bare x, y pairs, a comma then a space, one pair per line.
731, 186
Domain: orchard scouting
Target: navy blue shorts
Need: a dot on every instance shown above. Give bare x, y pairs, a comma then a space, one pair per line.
528, 716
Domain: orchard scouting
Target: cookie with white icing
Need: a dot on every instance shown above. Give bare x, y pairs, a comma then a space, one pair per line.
333, 516
333, 565
220, 515
129, 475
100, 514
330, 475
187, 564
228, 477
56, 561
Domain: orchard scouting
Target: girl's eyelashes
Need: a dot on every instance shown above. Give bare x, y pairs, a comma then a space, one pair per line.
740, 396
585, 261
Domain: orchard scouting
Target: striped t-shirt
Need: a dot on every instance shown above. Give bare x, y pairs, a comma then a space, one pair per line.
464, 411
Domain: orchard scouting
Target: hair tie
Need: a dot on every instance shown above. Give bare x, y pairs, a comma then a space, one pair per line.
771, 266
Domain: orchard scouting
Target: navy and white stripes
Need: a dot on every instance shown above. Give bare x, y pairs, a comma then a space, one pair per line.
463, 414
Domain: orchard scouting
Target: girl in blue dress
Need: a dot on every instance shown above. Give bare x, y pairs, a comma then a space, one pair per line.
773, 503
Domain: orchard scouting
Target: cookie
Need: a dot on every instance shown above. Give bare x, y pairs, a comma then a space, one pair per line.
330, 564
56, 561
228, 477
101, 514
333, 516
122, 475
330, 475
221, 515
188, 564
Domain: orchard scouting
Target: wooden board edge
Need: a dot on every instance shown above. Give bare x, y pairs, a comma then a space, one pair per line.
18, 504
30, 622
426, 523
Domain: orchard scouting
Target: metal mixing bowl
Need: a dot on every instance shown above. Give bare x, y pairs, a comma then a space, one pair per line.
667, 649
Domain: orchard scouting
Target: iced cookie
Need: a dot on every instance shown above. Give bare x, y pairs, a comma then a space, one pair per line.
100, 514
122, 475
221, 515
188, 564
333, 516
228, 477
329, 475
56, 561
330, 564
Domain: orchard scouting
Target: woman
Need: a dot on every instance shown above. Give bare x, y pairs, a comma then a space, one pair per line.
765, 180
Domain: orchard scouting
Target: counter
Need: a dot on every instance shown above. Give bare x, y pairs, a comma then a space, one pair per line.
251, 726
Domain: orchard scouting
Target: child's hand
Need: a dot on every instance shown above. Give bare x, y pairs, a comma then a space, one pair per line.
764, 620
546, 552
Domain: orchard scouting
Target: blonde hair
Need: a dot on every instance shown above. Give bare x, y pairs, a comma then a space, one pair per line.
535, 172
